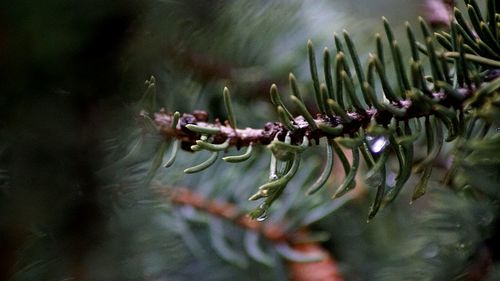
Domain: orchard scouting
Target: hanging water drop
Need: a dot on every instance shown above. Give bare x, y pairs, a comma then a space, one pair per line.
262, 217
377, 143
262, 213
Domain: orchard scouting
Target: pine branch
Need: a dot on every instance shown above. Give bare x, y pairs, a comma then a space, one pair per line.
325, 269
192, 126
227, 211
462, 87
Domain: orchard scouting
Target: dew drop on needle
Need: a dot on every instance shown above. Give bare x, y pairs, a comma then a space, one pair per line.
377, 144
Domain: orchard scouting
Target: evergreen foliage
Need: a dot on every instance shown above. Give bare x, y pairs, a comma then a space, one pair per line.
453, 89
376, 119
97, 186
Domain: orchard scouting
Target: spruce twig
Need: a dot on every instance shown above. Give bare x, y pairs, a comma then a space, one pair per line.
299, 240
463, 82
192, 127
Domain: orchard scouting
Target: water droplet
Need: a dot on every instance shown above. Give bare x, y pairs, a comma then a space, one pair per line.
377, 144
262, 217
263, 213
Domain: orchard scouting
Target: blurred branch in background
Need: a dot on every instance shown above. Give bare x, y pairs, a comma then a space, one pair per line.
323, 269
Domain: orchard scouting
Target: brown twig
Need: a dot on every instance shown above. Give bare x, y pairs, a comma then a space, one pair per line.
227, 211
324, 270
414, 107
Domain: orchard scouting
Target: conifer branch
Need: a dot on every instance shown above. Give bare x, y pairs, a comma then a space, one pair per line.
325, 269
226, 211
412, 107
463, 85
